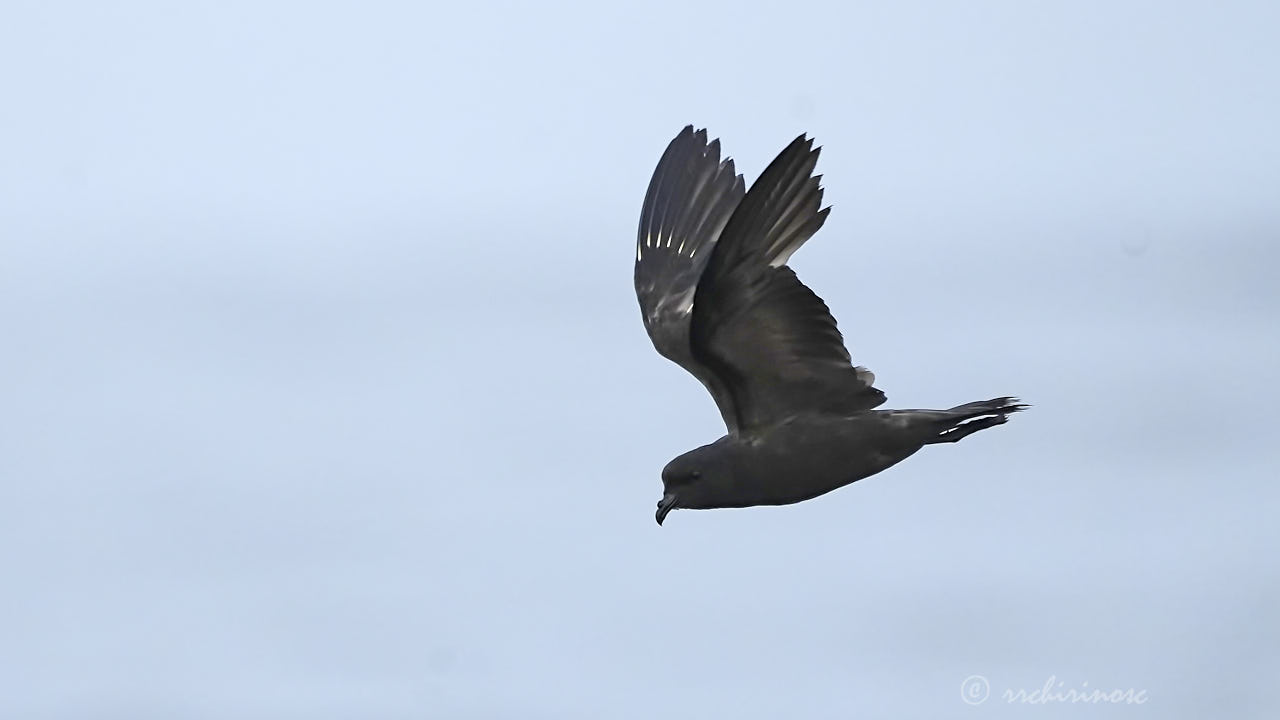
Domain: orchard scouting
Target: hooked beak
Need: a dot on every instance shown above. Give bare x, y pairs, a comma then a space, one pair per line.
667, 502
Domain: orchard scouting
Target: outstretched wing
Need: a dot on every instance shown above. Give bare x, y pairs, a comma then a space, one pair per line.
767, 339
690, 199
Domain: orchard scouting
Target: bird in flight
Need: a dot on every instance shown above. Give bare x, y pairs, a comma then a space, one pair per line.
718, 299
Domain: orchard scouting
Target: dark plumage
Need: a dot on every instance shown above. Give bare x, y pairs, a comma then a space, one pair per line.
718, 299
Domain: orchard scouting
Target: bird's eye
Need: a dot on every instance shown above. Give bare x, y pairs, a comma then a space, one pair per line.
695, 475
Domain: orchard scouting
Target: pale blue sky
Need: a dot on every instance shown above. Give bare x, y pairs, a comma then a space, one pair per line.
326, 394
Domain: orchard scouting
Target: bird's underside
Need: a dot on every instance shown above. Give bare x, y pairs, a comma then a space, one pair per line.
718, 299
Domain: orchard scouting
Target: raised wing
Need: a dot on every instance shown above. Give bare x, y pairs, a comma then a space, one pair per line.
690, 199
768, 340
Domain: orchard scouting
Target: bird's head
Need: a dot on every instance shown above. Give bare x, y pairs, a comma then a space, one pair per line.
695, 480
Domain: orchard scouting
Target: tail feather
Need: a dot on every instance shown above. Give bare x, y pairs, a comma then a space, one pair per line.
964, 420
998, 406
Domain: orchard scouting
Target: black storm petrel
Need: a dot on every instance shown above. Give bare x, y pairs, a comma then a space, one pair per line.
718, 299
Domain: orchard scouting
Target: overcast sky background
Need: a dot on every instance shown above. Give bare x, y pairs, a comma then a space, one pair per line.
325, 392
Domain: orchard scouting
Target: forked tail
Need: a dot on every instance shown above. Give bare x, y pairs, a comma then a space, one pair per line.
964, 420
